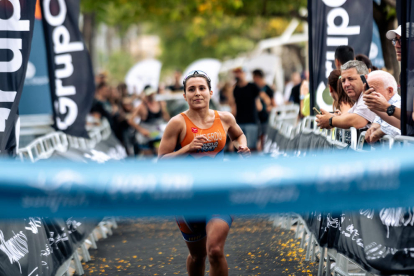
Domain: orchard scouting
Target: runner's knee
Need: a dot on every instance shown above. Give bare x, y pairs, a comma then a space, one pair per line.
198, 259
215, 253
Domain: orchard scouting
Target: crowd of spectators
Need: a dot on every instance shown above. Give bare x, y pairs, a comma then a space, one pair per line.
135, 119
138, 119
364, 97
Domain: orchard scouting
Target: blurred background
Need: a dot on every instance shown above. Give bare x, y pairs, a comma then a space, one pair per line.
110, 96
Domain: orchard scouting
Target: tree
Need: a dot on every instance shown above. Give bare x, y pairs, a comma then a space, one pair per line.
385, 16
194, 29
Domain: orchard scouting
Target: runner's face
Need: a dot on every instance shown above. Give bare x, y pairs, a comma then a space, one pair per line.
352, 83
197, 93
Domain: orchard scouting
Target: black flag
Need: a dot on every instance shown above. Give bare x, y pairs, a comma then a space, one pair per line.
335, 23
15, 41
406, 18
70, 69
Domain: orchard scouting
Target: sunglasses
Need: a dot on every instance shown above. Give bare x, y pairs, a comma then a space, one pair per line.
395, 40
196, 72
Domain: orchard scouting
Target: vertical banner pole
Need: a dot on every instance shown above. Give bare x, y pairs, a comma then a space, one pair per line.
310, 56
72, 87
404, 57
16, 33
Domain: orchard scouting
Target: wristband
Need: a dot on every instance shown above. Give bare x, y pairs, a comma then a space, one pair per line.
330, 122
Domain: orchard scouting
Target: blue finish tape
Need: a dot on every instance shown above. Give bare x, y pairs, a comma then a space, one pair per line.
340, 181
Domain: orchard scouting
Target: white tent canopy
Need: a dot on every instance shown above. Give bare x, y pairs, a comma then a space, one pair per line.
231, 64
265, 62
146, 72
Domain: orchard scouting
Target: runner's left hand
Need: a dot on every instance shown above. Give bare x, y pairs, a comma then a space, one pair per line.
245, 151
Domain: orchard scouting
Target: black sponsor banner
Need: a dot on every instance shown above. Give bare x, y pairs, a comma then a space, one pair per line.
70, 69
334, 23
406, 17
380, 241
39, 246
15, 41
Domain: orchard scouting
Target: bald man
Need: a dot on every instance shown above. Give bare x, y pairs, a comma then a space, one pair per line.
382, 99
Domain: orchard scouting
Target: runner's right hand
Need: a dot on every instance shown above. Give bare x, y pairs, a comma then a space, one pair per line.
197, 143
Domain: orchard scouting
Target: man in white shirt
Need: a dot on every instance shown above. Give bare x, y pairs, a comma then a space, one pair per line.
384, 88
359, 116
389, 112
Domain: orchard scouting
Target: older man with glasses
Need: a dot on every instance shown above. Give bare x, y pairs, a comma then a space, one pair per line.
359, 116
378, 103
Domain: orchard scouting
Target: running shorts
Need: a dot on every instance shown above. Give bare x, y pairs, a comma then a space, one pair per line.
194, 229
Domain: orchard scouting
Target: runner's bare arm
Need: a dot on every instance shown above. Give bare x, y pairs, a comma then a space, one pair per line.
171, 138
235, 133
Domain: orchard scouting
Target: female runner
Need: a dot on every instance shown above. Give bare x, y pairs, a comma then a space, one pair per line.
201, 132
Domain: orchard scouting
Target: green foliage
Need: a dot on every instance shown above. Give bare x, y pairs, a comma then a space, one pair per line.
193, 29
391, 12
126, 12
117, 65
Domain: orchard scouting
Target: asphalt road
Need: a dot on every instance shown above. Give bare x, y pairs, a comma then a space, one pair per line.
154, 246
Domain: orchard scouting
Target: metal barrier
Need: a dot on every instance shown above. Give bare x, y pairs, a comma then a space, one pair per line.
329, 260
403, 141
43, 147
284, 113
342, 265
387, 141
74, 264
336, 136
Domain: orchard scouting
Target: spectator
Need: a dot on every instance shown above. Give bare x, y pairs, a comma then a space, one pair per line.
129, 132
297, 95
226, 97
266, 100
247, 106
382, 99
101, 107
295, 79
359, 116
367, 62
342, 103
120, 123
122, 89
343, 54
395, 37
377, 102
177, 86
304, 99
100, 79
146, 119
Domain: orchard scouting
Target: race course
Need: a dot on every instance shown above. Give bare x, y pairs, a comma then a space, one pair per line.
154, 246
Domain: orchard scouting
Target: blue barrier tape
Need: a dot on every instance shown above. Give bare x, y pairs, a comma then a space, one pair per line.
327, 182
